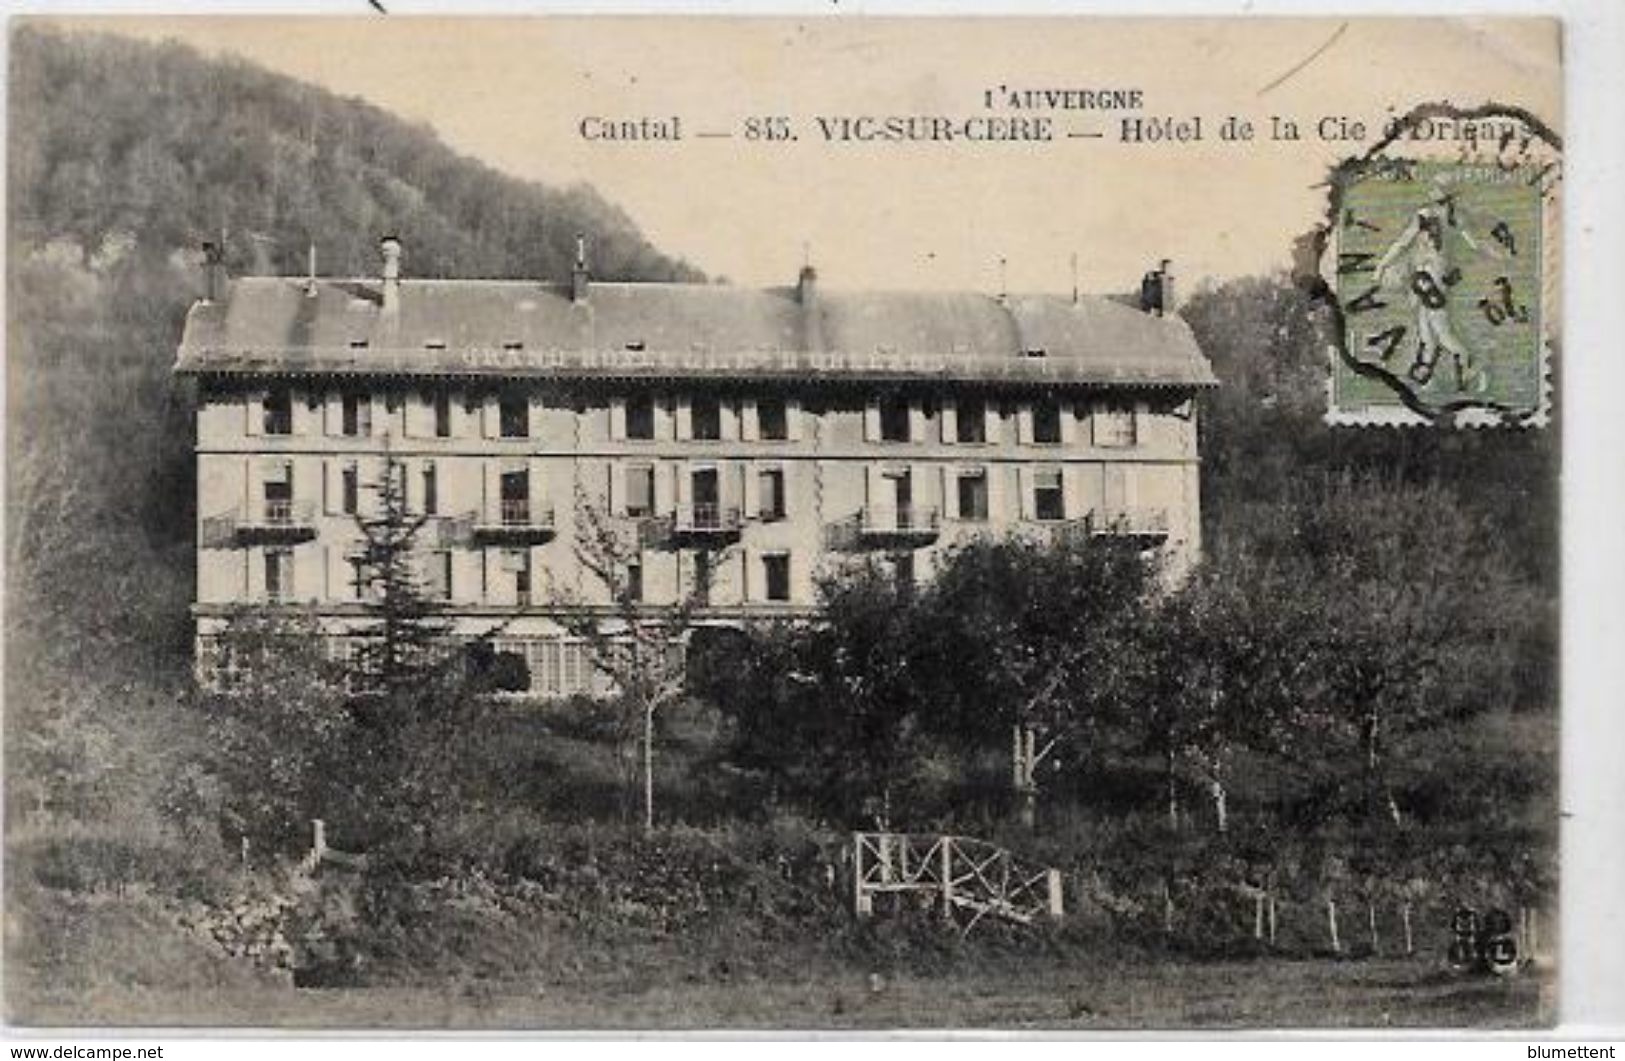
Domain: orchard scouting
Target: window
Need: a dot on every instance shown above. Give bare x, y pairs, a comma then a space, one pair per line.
278, 410
515, 498
640, 418
770, 485
279, 494
357, 414
970, 422
776, 576
516, 565
442, 414
350, 490
894, 420
903, 573
640, 490
706, 417
1049, 501
772, 420
431, 490
704, 575
634, 581
513, 415
1046, 423
973, 496
440, 575
1114, 426
278, 574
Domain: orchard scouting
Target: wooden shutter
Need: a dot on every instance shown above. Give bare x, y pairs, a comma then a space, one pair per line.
490, 491
333, 414
916, 421
792, 419
876, 497
490, 417
950, 422
617, 488
751, 493
535, 413
536, 483
871, 422
996, 476
950, 495
728, 420
1024, 424
750, 430
665, 488
1071, 492
685, 419
254, 410
617, 419
1069, 424
992, 421
1024, 484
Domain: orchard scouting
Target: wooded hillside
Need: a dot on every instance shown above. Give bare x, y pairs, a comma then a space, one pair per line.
157, 143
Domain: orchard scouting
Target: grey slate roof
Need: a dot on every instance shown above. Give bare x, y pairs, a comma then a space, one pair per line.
277, 325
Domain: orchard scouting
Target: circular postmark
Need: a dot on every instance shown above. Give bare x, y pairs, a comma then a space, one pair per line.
1437, 260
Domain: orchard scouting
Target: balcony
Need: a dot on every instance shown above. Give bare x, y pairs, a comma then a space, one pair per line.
896, 526
706, 522
696, 526
279, 522
1140, 523
514, 522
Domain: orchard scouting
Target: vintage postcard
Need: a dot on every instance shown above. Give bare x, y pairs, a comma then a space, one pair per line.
832, 523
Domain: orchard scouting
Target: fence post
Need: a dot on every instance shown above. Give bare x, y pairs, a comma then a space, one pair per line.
1371, 919
947, 871
1534, 933
1167, 908
245, 853
1056, 901
862, 902
1258, 915
318, 839
1272, 918
1331, 922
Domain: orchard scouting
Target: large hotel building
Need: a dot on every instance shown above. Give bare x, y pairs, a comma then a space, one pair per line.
766, 434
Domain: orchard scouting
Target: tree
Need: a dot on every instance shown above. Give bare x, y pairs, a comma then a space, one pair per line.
1412, 611
1219, 664
639, 648
418, 693
404, 642
1022, 640
277, 721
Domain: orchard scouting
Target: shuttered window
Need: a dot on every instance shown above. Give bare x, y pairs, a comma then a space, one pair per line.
640, 490
1049, 497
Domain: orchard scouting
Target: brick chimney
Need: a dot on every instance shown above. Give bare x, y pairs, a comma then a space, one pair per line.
1167, 287
214, 271
812, 327
1157, 290
390, 247
578, 271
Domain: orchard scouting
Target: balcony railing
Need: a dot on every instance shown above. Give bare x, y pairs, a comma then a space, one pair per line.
513, 520
278, 521
1129, 522
882, 526
707, 519
916, 520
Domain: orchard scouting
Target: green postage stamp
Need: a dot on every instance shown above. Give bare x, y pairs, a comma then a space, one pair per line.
1441, 277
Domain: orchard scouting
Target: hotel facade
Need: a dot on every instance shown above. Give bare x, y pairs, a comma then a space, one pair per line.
750, 439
